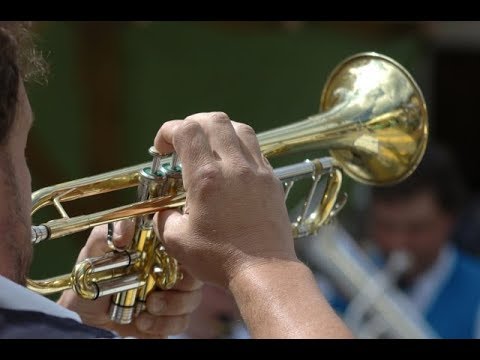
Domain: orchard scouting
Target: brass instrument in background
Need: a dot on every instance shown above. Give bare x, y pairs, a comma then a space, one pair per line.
376, 309
372, 119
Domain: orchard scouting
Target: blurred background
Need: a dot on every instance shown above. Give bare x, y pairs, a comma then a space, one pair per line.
112, 84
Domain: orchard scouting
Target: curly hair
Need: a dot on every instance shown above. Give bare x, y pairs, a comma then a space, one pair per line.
19, 60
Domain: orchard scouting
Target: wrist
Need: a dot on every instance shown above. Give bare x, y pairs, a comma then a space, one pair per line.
281, 299
254, 253
255, 273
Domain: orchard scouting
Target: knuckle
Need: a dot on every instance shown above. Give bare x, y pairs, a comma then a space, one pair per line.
244, 173
189, 126
209, 171
267, 178
219, 117
195, 117
267, 163
208, 177
187, 130
165, 125
245, 130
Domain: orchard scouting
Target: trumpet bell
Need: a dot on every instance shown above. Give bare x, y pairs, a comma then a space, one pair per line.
381, 100
373, 120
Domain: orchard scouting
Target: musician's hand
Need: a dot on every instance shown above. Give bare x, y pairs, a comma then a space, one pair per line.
235, 216
167, 311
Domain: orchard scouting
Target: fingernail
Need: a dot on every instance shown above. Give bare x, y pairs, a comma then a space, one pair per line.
157, 306
145, 323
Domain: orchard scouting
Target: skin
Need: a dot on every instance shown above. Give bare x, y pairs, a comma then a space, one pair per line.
216, 315
416, 224
15, 190
235, 231
167, 311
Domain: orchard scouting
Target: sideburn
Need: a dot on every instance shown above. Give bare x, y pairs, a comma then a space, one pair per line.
15, 237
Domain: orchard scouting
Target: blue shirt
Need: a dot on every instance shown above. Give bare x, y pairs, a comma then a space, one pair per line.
447, 295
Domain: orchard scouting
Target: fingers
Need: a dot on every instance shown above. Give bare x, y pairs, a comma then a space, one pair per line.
190, 142
172, 302
164, 139
249, 139
188, 282
96, 245
132, 330
97, 241
161, 326
215, 125
167, 312
249, 144
220, 133
202, 139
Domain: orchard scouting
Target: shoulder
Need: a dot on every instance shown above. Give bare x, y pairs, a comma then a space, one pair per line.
25, 324
468, 264
465, 275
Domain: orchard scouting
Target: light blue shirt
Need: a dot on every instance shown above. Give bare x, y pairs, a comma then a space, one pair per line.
16, 297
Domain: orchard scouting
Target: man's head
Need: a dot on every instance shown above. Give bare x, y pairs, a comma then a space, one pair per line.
16, 55
418, 215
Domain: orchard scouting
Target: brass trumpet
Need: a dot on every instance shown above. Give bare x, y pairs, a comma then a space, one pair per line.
372, 119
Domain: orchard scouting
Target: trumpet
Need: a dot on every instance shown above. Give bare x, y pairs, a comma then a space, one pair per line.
373, 120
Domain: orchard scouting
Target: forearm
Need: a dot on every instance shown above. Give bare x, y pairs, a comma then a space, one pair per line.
280, 299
